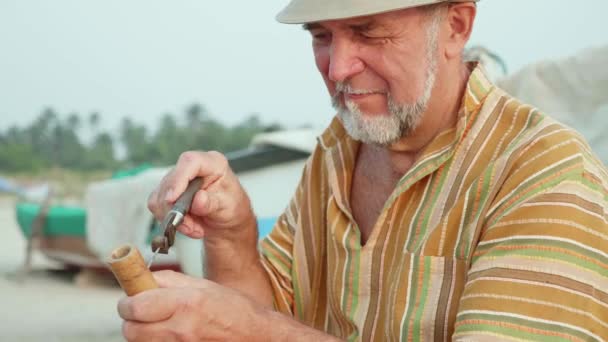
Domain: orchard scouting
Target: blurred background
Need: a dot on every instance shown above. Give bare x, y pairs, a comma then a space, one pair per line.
98, 98
121, 77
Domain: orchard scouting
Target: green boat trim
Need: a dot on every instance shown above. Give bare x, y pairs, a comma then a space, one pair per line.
60, 221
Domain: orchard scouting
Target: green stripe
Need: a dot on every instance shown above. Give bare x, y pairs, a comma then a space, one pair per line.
594, 187
531, 187
277, 262
549, 243
560, 166
522, 322
354, 253
428, 206
507, 332
413, 235
351, 250
345, 280
548, 255
356, 276
534, 119
269, 244
414, 174
482, 91
467, 212
423, 298
484, 197
297, 294
413, 285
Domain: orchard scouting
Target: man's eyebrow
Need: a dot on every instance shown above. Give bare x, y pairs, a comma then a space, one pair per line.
310, 26
365, 26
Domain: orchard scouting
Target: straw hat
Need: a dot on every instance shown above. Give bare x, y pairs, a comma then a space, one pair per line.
308, 11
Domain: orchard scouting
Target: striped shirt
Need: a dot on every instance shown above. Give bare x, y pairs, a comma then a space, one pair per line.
497, 232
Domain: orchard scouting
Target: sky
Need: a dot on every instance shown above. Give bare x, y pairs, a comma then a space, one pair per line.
145, 58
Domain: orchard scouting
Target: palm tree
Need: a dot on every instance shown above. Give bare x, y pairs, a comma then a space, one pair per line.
195, 114
73, 122
94, 120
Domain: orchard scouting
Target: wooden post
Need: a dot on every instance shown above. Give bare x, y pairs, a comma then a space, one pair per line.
36, 235
130, 270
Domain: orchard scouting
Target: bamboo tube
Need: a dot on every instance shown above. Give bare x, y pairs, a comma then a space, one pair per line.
130, 270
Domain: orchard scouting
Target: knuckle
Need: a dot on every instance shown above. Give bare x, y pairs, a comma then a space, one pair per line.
186, 330
218, 157
188, 156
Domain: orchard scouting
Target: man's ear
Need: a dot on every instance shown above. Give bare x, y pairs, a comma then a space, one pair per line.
459, 19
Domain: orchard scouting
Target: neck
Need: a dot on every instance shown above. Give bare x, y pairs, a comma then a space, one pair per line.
441, 114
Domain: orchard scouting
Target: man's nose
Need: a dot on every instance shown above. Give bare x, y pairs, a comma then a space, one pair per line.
343, 60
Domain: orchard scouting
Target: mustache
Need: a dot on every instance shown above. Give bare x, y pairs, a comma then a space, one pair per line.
345, 88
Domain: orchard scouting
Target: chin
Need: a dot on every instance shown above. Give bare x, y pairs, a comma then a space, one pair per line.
372, 111
374, 115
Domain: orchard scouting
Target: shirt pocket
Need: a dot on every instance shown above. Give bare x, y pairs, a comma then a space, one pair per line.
423, 296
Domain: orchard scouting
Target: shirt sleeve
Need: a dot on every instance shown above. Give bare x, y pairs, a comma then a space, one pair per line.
276, 251
540, 271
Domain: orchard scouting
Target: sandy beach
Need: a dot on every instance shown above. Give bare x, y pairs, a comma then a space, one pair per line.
49, 305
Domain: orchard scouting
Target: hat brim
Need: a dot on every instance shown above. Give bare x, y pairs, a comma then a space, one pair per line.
310, 11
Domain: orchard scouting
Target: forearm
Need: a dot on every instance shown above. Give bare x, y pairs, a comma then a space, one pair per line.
235, 263
283, 328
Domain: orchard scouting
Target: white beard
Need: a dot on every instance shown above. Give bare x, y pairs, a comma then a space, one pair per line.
386, 128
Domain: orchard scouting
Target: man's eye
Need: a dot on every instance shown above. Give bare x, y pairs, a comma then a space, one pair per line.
375, 39
366, 36
321, 37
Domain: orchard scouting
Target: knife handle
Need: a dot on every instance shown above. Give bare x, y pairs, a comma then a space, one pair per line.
184, 201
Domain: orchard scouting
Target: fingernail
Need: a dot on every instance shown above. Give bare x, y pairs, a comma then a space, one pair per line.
169, 195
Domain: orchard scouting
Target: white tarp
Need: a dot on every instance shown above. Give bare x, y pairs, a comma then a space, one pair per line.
573, 90
117, 213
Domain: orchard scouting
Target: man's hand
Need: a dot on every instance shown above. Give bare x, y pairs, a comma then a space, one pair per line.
189, 309
221, 212
220, 209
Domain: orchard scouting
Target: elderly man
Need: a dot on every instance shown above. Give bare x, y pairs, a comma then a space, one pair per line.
434, 207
